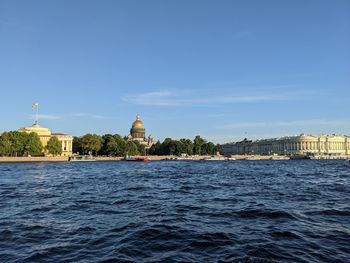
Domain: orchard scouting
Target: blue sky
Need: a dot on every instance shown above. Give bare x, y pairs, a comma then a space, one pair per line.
222, 69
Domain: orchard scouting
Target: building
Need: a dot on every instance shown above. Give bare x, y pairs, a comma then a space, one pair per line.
45, 134
323, 146
138, 133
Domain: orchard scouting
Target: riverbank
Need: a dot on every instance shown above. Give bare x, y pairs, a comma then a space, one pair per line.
48, 159
104, 158
151, 158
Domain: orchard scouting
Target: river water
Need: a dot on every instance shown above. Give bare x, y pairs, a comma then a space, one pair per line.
204, 211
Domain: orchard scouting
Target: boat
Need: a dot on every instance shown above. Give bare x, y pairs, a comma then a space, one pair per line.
215, 158
189, 158
279, 158
299, 157
81, 158
135, 159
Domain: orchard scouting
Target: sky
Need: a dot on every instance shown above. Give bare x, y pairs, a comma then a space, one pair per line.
224, 70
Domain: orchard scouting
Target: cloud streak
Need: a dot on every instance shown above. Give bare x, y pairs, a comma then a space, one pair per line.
91, 116
191, 98
295, 123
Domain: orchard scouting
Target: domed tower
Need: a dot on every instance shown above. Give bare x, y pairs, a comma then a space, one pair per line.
137, 131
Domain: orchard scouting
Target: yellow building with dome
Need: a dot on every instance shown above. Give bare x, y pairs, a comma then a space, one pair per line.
45, 134
138, 133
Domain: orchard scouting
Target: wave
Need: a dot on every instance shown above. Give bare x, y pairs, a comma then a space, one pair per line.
285, 234
330, 212
272, 214
245, 260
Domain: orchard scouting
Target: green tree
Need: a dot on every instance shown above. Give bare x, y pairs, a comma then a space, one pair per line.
180, 148
91, 143
155, 149
219, 149
131, 148
54, 146
122, 146
18, 142
33, 145
115, 145
105, 139
77, 145
198, 142
188, 146
165, 147
112, 147
5, 144
172, 148
208, 148
140, 148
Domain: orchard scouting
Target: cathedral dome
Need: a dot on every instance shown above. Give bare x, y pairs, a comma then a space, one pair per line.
138, 124
41, 131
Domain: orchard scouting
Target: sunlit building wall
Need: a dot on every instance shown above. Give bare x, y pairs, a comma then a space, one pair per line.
323, 145
45, 134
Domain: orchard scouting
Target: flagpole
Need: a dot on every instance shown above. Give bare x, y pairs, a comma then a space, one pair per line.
37, 113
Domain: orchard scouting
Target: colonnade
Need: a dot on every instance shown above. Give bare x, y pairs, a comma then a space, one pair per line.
67, 145
303, 144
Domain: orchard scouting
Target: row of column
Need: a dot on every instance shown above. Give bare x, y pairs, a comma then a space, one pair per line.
280, 147
316, 146
67, 145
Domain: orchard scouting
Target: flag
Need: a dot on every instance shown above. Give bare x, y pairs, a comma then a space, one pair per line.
35, 105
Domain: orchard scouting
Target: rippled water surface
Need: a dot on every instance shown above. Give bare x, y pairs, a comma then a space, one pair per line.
252, 211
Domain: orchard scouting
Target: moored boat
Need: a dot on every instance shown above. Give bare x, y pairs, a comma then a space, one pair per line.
135, 159
279, 158
215, 158
299, 157
81, 158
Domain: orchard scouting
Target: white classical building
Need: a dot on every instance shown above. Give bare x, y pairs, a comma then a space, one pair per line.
323, 146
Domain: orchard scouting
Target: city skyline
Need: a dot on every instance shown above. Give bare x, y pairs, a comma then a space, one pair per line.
224, 70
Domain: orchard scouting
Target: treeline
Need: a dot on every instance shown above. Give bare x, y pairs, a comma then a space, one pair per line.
15, 143
116, 145
198, 146
106, 145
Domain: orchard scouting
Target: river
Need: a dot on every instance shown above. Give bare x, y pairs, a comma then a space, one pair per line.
175, 211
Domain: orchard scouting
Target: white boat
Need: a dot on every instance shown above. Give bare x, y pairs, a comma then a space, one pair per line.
215, 158
183, 158
81, 158
279, 158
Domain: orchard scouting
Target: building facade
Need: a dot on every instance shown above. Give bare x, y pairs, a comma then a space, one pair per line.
138, 133
326, 146
45, 134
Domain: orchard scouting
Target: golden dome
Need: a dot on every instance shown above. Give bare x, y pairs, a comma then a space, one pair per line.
41, 131
138, 124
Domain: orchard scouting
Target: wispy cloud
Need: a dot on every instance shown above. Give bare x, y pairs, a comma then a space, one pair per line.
45, 117
91, 116
295, 123
203, 97
156, 98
